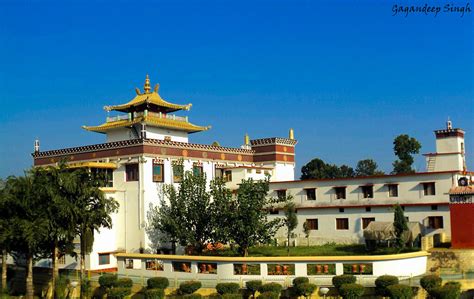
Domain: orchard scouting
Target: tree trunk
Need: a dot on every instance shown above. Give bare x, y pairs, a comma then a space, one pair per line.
4, 270
55, 270
29, 277
246, 251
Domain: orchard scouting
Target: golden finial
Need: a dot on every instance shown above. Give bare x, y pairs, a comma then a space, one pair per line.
247, 139
147, 86
291, 135
137, 90
157, 86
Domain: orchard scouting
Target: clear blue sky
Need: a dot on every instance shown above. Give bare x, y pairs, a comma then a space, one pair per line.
346, 75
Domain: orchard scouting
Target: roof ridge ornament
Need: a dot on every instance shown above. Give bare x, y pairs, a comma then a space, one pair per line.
157, 86
147, 87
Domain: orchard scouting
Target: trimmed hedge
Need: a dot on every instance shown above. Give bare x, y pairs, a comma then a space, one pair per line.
157, 283
351, 291
189, 287
300, 280
399, 291
271, 287
227, 288
118, 293
269, 295
305, 289
451, 290
124, 283
107, 280
154, 294
193, 296
382, 282
339, 280
231, 296
430, 282
253, 285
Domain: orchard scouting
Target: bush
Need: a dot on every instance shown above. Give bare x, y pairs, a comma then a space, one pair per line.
305, 289
192, 296
451, 290
429, 282
60, 287
271, 287
124, 283
300, 280
231, 296
351, 291
86, 288
227, 288
339, 280
253, 285
157, 283
107, 280
399, 291
382, 282
189, 287
154, 294
118, 293
269, 295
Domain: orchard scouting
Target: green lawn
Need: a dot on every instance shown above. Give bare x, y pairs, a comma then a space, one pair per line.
322, 250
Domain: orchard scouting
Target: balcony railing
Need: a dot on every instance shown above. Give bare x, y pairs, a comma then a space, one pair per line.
131, 116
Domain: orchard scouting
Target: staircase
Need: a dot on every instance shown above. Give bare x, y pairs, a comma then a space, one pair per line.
430, 164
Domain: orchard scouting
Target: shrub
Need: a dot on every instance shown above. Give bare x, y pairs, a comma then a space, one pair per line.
429, 282
154, 294
382, 282
118, 293
305, 289
231, 296
451, 290
86, 288
339, 280
193, 296
107, 280
157, 283
300, 280
399, 291
189, 287
271, 287
227, 288
351, 291
60, 287
124, 283
253, 285
269, 295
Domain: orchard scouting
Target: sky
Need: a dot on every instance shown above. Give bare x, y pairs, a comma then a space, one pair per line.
348, 76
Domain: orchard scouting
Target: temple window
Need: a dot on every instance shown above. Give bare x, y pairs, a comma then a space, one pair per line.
342, 223
281, 194
178, 171
104, 258
197, 170
392, 190
312, 224
435, 222
131, 172
340, 192
104, 176
429, 189
228, 175
366, 221
158, 172
367, 191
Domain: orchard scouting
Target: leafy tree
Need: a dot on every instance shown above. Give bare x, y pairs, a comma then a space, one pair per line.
404, 147
306, 231
5, 232
346, 172
290, 221
250, 225
318, 169
367, 167
400, 225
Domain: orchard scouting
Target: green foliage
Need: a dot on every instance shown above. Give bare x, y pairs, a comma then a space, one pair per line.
192, 296
231, 296
118, 293
404, 147
382, 282
269, 295
227, 288
253, 285
339, 280
86, 288
400, 226
305, 289
189, 287
60, 288
154, 294
318, 169
271, 287
430, 282
124, 282
351, 291
108, 280
399, 291
290, 221
157, 283
300, 280
367, 167
451, 290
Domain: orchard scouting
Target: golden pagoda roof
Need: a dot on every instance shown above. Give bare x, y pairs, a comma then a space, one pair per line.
158, 120
146, 98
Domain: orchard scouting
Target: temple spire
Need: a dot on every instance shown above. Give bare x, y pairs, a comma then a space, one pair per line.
147, 86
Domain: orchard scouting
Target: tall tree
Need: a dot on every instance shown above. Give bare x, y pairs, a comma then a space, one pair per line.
250, 225
6, 217
318, 169
367, 167
404, 147
400, 226
290, 222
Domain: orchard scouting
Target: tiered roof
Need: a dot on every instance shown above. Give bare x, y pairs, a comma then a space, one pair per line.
150, 108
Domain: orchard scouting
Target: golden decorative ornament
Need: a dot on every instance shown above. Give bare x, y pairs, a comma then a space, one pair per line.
163, 151
222, 156
185, 153
204, 155
285, 158
285, 149
239, 157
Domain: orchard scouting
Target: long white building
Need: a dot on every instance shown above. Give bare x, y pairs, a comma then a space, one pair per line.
145, 142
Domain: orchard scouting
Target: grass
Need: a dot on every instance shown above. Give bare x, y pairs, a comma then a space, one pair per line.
330, 249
